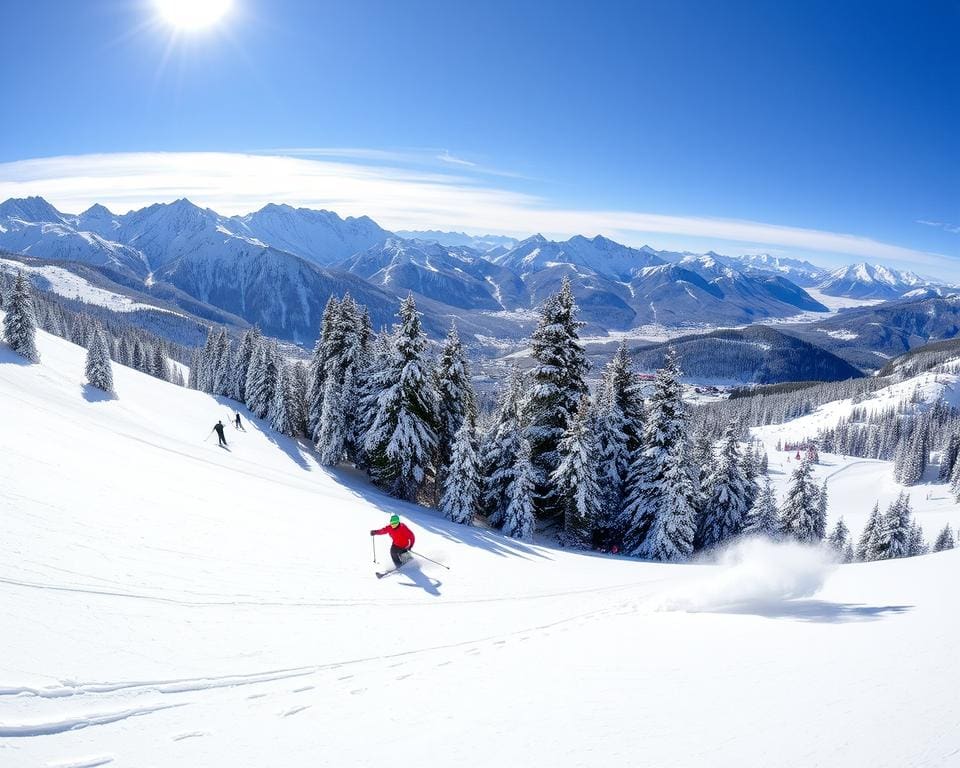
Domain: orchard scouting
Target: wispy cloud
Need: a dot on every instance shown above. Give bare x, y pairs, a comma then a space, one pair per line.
380, 184
953, 229
446, 157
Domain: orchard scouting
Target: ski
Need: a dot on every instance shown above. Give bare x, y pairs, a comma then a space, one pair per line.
380, 574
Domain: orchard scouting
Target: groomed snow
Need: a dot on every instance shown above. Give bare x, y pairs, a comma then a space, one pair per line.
170, 603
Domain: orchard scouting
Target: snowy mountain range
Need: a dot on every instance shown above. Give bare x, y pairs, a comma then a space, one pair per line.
867, 281
277, 267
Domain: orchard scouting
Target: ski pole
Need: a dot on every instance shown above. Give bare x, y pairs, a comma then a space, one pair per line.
424, 557
208, 436
373, 542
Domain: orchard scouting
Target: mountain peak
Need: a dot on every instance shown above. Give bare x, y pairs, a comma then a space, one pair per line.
33, 209
98, 211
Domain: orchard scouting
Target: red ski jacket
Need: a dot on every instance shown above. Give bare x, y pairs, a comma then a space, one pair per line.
402, 536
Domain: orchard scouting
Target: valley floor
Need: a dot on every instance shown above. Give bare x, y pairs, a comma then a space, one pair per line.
166, 602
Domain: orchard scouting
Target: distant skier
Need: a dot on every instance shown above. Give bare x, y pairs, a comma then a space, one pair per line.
236, 421
218, 428
403, 540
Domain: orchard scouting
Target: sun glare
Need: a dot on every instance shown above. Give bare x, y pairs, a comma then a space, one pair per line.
192, 14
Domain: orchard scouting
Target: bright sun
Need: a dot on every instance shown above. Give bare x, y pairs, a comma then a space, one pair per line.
192, 14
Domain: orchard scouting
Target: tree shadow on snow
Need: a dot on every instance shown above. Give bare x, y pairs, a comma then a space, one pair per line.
93, 395
815, 611
419, 579
8, 356
430, 520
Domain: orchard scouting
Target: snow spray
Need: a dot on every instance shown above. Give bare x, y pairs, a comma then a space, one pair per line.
754, 571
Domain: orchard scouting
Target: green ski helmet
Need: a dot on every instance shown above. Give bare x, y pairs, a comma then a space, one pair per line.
394, 520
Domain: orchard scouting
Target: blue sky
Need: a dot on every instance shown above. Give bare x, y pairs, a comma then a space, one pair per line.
819, 129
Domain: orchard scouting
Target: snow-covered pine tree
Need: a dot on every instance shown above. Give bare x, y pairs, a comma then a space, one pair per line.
298, 380
944, 540
916, 545
220, 366
726, 496
556, 387
241, 364
20, 323
331, 433
455, 395
762, 518
800, 513
194, 368
840, 538
79, 330
98, 368
371, 379
282, 407
206, 369
501, 447
823, 499
955, 481
949, 457
518, 517
262, 379
460, 498
659, 518
575, 480
402, 439
619, 419
867, 544
911, 458
893, 540
318, 366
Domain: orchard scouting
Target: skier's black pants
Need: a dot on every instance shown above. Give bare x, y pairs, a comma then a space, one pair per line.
396, 553
223, 440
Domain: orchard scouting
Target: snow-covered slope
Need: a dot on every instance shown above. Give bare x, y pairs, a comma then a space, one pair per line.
169, 603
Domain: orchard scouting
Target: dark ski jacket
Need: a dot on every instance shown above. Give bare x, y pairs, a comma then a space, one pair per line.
402, 536
219, 427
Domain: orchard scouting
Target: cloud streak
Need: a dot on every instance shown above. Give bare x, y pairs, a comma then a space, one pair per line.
376, 183
953, 229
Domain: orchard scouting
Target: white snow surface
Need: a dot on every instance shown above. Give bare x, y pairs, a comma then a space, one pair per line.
65, 283
170, 603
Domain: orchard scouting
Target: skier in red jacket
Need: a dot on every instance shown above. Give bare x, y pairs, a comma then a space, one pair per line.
403, 540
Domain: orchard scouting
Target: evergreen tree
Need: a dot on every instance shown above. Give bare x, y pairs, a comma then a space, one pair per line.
800, 514
575, 480
557, 384
762, 518
727, 495
194, 367
619, 420
867, 544
261, 379
949, 458
318, 366
840, 539
207, 367
893, 540
282, 408
820, 527
944, 540
220, 365
518, 517
331, 434
916, 545
502, 446
402, 438
241, 364
160, 367
99, 370
659, 517
20, 323
298, 381
455, 395
460, 498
